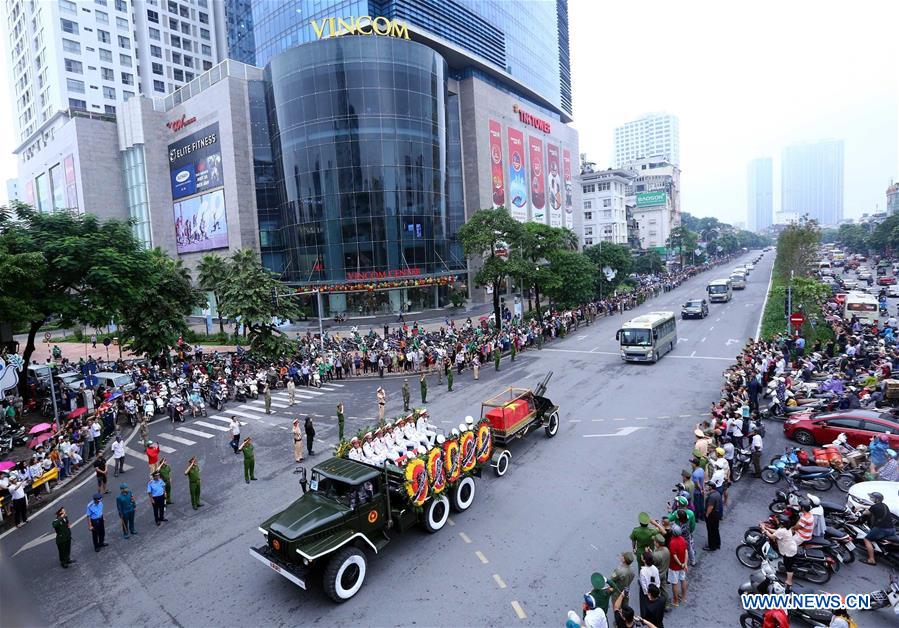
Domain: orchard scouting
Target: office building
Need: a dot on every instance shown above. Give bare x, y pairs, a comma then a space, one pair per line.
348, 162
760, 194
81, 60
655, 197
812, 181
604, 205
893, 198
655, 134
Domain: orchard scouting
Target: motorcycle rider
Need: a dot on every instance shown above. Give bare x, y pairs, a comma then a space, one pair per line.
787, 546
880, 522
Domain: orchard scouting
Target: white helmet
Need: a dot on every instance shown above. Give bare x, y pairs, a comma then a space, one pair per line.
421, 450
455, 432
463, 427
816, 501
441, 439
469, 420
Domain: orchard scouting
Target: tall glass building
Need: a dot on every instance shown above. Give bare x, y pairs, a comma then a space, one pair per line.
526, 40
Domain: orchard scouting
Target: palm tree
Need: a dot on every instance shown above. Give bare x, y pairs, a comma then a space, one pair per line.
211, 274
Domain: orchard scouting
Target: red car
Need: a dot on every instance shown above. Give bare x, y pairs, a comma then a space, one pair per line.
860, 426
886, 281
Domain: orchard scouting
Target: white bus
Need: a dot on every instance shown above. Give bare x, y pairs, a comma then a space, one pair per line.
648, 337
864, 306
738, 281
720, 290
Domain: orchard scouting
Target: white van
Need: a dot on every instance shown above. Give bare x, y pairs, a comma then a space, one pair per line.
863, 306
720, 290
738, 281
824, 268
648, 337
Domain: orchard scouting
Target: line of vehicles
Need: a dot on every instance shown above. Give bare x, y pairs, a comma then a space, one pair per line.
648, 337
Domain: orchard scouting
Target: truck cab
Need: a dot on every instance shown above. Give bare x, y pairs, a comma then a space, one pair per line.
347, 512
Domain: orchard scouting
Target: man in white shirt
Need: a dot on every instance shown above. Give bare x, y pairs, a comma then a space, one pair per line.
19, 502
234, 429
118, 455
756, 453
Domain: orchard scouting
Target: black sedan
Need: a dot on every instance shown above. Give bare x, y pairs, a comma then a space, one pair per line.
695, 308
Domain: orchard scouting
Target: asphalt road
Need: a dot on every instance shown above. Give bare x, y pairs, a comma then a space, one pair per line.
522, 555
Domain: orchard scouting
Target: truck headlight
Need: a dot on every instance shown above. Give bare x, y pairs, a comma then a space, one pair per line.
264, 532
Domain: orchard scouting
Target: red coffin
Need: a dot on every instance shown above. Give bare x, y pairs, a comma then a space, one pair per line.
509, 417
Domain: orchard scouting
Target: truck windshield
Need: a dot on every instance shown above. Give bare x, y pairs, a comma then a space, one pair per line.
337, 491
718, 289
636, 337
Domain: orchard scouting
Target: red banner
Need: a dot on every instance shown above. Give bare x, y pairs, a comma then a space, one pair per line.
554, 176
496, 164
518, 179
566, 175
71, 189
538, 193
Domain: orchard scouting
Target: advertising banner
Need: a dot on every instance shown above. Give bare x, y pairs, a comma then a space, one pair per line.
566, 175
195, 163
538, 192
68, 165
29, 193
518, 181
555, 185
652, 199
200, 222
496, 164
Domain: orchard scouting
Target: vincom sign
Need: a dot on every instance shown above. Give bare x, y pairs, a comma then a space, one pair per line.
364, 25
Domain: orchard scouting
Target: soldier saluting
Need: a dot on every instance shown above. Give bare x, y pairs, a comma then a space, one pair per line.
249, 459
193, 481
63, 537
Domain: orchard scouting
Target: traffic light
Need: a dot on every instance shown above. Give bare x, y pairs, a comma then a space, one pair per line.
788, 299
274, 298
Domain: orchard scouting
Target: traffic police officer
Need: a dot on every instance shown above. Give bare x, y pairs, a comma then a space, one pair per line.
249, 459
165, 471
193, 482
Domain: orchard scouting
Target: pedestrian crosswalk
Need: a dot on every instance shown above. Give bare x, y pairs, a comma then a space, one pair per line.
249, 413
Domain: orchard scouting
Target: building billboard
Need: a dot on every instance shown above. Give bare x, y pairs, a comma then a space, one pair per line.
538, 193
496, 164
195, 163
652, 199
554, 177
566, 174
200, 222
518, 181
68, 165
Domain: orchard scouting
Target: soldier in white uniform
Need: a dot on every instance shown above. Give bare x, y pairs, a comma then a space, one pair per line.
355, 452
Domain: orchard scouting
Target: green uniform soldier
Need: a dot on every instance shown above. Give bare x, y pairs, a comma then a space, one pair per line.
249, 460
601, 591
496, 356
341, 419
193, 482
514, 349
63, 537
165, 471
449, 380
406, 395
540, 340
424, 389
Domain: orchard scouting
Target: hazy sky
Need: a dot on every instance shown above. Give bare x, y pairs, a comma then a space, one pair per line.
745, 79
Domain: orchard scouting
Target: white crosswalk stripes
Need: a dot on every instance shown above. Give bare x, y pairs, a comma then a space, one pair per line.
187, 430
177, 439
253, 408
242, 414
223, 419
220, 428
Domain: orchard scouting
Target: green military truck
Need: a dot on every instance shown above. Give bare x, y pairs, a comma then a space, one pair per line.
350, 509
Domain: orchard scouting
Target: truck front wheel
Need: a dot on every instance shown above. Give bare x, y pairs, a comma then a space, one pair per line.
436, 513
345, 574
463, 494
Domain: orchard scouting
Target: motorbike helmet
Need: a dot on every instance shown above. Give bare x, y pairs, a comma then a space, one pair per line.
784, 520
892, 453
805, 505
682, 501
877, 497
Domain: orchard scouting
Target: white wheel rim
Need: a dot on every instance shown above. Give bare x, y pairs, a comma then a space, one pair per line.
437, 524
461, 502
343, 593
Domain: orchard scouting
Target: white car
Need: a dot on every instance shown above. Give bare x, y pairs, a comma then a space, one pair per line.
893, 290
864, 275
859, 495
750, 266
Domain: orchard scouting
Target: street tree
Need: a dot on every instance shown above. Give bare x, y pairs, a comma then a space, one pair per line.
246, 294
152, 322
532, 252
486, 236
617, 257
212, 271
571, 279
682, 239
66, 265
649, 263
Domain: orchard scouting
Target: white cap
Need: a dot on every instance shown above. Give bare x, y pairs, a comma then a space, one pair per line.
463, 427
469, 419
454, 432
422, 450
441, 439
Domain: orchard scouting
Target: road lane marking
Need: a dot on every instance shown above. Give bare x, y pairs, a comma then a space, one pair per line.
464, 537
693, 355
684, 416
212, 426
581, 337
622, 431
518, 610
660, 417
187, 430
703, 339
260, 410
481, 557
597, 420
223, 419
574, 420
712, 328
499, 581
177, 439
243, 414
450, 521
137, 454
625, 419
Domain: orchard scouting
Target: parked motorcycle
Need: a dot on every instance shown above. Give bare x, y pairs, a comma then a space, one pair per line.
765, 580
888, 597
817, 478
811, 565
